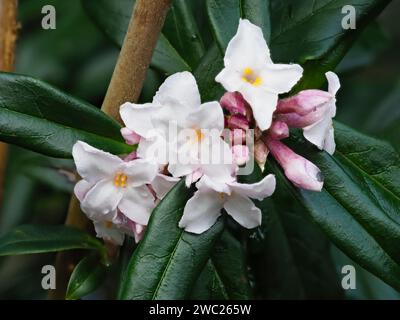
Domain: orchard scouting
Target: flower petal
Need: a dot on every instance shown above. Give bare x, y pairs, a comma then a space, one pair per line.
102, 200
247, 48
208, 116
162, 184
137, 204
180, 87
243, 210
259, 190
280, 78
81, 189
333, 82
230, 79
201, 212
93, 164
140, 172
138, 117
206, 184
321, 135
262, 103
109, 232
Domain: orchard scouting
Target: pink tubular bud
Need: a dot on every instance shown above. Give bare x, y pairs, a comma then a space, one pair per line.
234, 103
237, 122
241, 154
304, 102
130, 136
301, 172
260, 153
279, 130
295, 120
237, 136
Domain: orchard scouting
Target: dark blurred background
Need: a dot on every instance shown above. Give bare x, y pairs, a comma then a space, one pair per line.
79, 59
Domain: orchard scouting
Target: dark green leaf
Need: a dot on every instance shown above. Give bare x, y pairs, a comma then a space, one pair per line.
225, 14
39, 117
359, 205
113, 18
288, 256
87, 276
28, 239
181, 29
168, 260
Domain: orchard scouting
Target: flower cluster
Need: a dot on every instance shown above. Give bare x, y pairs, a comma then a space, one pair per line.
179, 137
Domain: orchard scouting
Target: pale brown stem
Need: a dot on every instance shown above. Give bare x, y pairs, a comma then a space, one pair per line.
8, 37
126, 84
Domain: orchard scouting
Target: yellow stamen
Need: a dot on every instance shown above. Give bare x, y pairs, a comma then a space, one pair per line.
199, 135
120, 180
222, 196
250, 77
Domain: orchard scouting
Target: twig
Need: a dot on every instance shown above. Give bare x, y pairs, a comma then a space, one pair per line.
8, 37
126, 84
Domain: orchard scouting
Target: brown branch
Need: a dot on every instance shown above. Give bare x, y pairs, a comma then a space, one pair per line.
126, 84
8, 37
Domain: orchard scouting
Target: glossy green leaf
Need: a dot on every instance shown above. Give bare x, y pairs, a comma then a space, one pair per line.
113, 17
168, 259
288, 256
87, 276
225, 274
39, 117
181, 29
359, 206
225, 14
28, 239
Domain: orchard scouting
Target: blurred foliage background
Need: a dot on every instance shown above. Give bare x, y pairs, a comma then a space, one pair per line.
79, 59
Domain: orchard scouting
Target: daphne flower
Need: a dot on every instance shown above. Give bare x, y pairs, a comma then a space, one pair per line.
301, 172
177, 105
110, 184
204, 208
322, 133
250, 71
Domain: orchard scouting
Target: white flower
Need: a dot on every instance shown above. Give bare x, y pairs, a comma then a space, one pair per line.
250, 71
196, 140
321, 133
110, 184
204, 208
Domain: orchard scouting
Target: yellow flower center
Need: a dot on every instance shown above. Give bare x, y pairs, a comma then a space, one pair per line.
199, 135
120, 180
222, 196
249, 76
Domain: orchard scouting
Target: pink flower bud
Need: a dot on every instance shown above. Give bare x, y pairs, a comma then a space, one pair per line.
130, 136
301, 172
304, 102
234, 103
241, 154
260, 153
237, 136
237, 122
278, 130
295, 120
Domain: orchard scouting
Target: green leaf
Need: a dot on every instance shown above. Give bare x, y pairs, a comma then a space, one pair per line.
113, 17
359, 207
39, 117
181, 29
87, 276
28, 239
229, 260
288, 256
324, 42
225, 14
168, 259
225, 274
